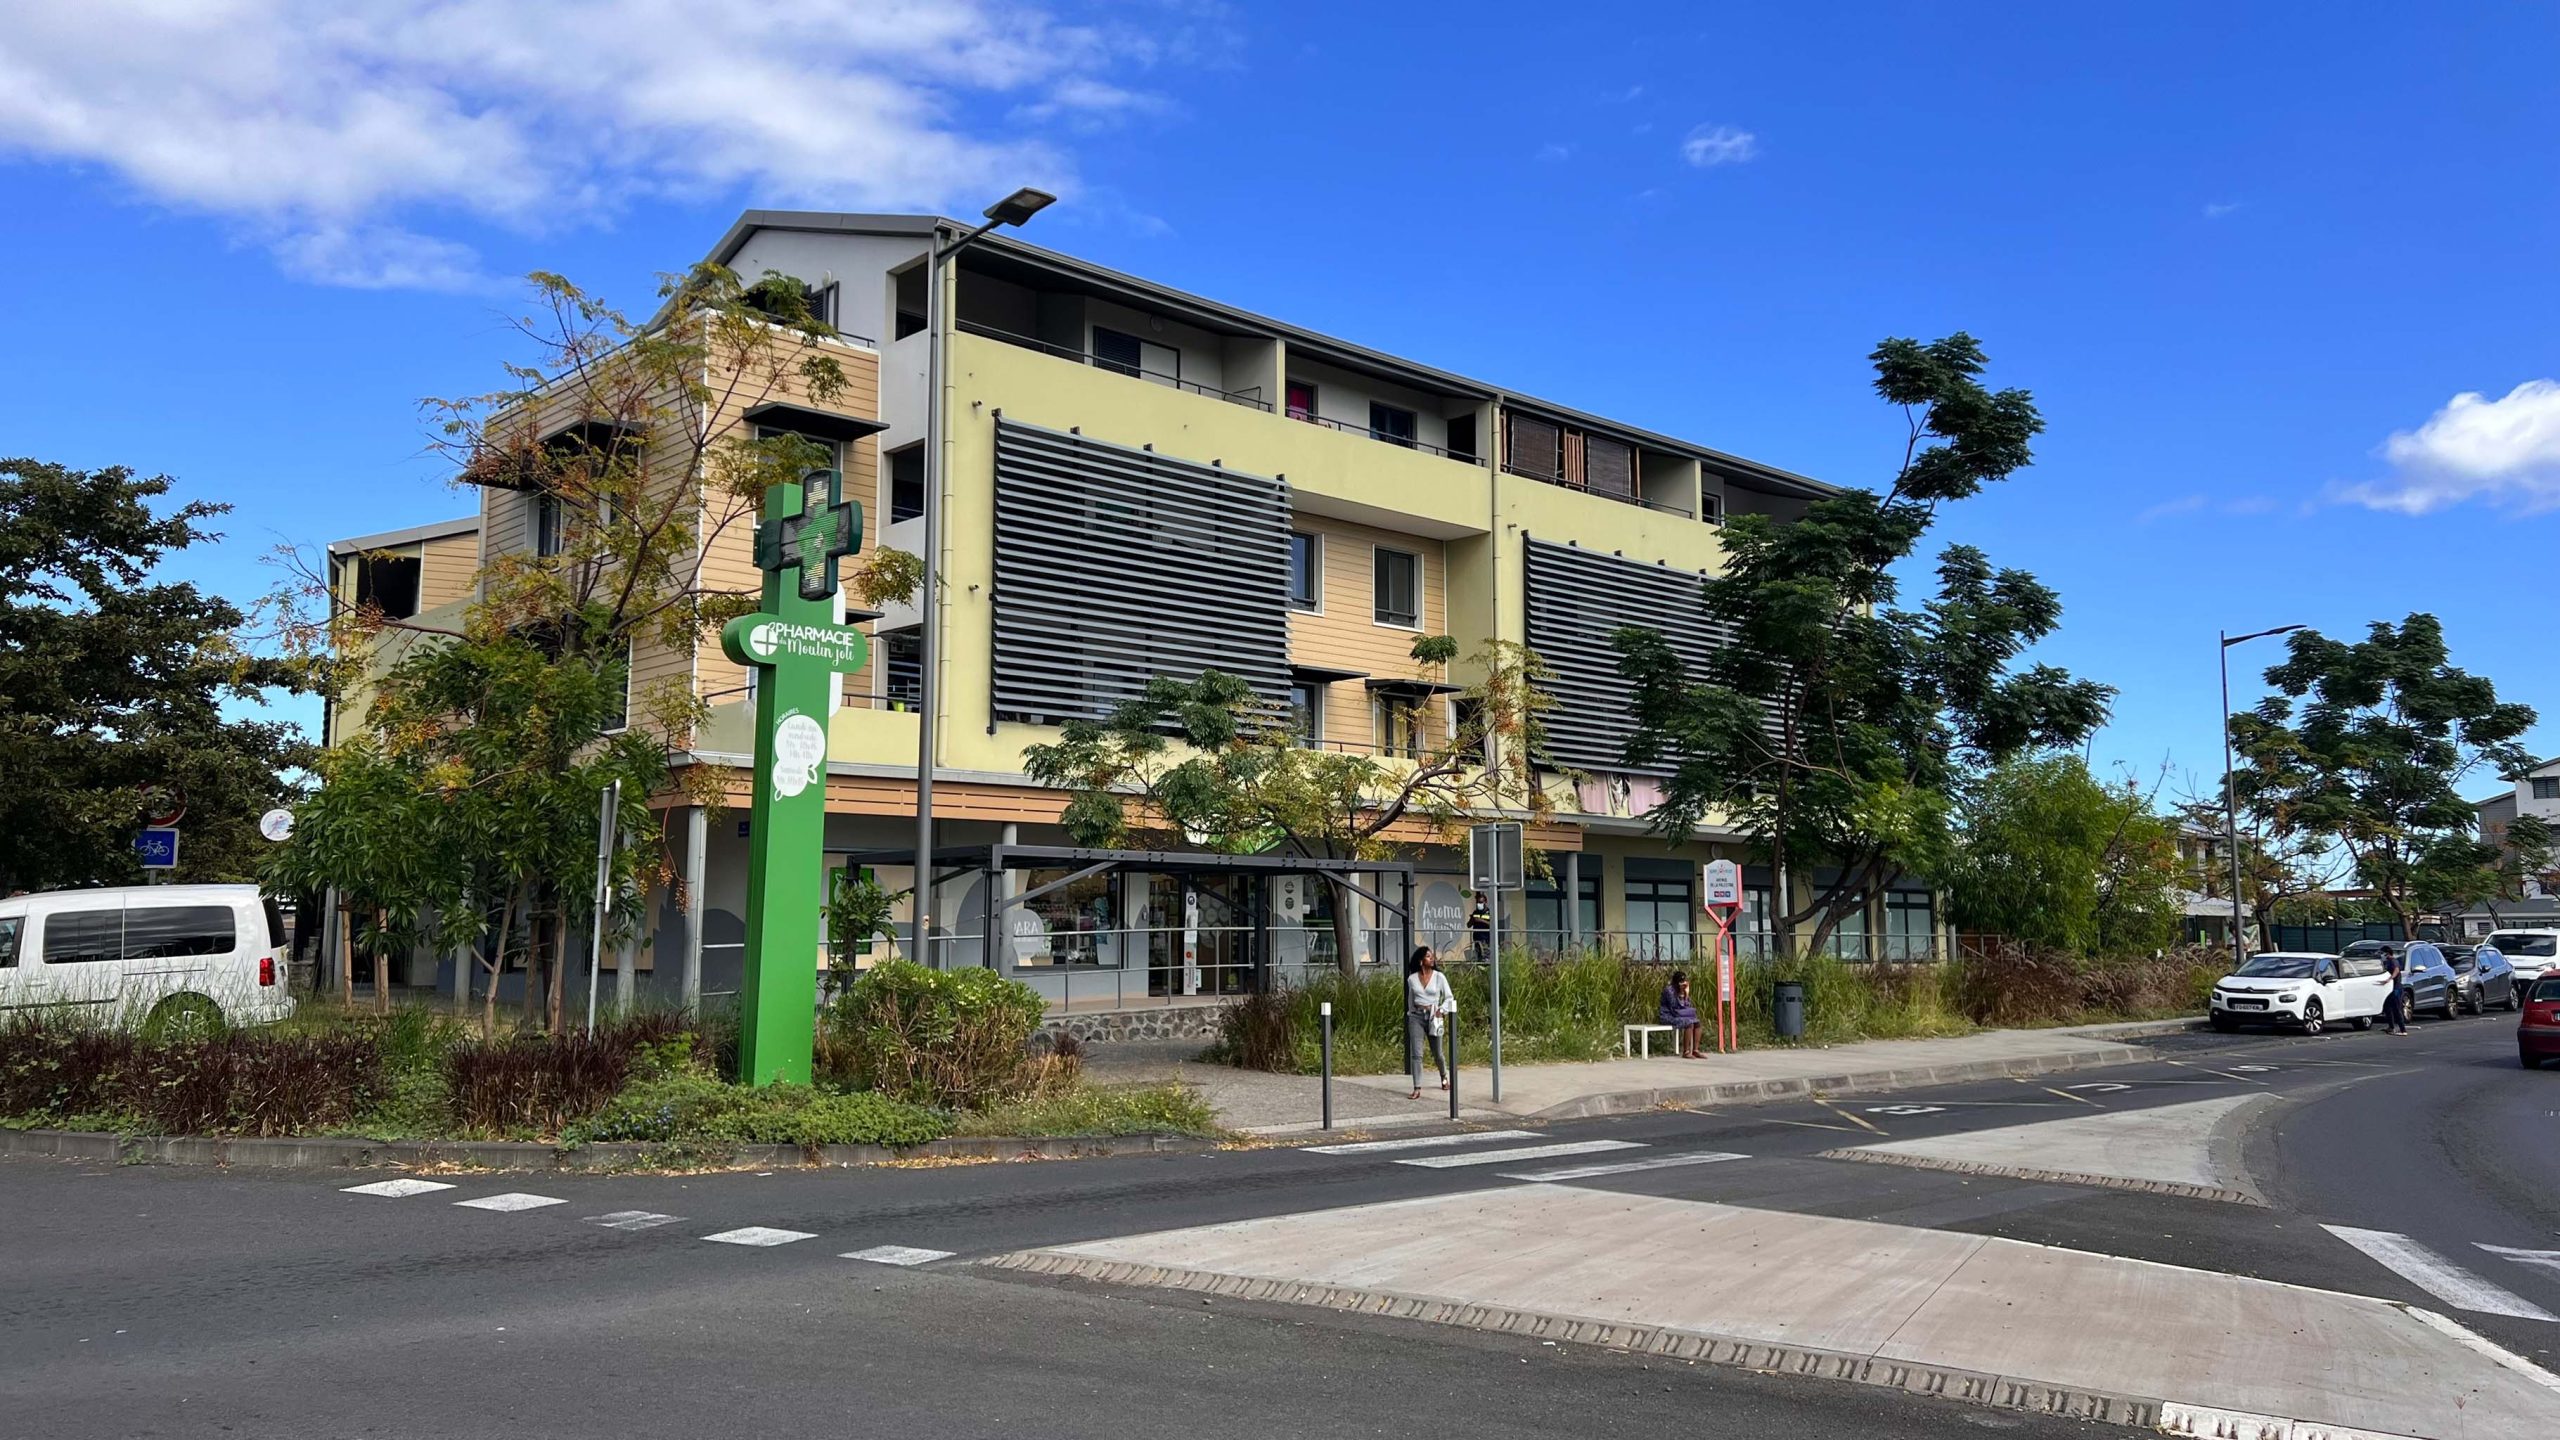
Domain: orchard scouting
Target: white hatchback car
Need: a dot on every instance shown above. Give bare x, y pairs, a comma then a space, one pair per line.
2303, 988
156, 955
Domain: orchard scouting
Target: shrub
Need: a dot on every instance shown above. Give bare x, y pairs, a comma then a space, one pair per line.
538, 1084
1255, 1032
2009, 983
687, 1108
950, 1039
53, 1068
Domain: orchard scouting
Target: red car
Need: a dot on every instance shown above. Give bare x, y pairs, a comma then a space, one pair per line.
2538, 1032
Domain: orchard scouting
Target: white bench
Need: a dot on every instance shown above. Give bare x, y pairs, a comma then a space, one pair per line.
1642, 1036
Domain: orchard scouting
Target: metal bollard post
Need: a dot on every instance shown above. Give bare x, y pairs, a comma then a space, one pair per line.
1449, 1036
1324, 1011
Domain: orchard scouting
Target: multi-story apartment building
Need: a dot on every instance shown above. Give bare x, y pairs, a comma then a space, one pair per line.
418, 579
1139, 481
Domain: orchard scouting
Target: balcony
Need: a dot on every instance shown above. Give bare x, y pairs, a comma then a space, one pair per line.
1135, 367
1573, 458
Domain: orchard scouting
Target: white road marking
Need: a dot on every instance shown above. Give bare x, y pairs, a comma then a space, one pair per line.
513, 1200
1623, 1167
1525, 1152
2542, 1259
398, 1188
2252, 1069
1417, 1142
2103, 1087
759, 1235
2483, 1345
632, 1220
1905, 1109
896, 1255
2438, 1276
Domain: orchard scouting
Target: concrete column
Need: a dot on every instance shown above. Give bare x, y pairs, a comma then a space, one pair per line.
697, 844
461, 952
625, 962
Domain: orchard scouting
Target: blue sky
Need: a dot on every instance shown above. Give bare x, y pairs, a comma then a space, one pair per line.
2247, 258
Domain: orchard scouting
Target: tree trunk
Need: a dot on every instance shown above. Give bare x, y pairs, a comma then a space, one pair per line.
551, 1009
346, 957
498, 965
381, 963
1346, 928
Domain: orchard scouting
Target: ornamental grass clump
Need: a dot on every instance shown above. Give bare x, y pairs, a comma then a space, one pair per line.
944, 1039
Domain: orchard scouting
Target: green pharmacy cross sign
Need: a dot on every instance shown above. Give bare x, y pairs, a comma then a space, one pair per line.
798, 650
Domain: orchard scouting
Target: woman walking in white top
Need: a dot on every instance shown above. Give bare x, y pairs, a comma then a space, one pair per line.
1428, 1003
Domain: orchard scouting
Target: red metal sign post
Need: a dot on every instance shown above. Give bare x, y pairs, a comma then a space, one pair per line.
1723, 896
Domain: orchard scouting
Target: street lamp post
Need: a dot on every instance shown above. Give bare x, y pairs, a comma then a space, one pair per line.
2230, 792
1013, 209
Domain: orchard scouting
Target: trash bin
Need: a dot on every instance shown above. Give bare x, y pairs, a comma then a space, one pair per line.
1786, 1010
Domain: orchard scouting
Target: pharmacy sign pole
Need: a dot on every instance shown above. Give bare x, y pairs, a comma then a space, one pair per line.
796, 649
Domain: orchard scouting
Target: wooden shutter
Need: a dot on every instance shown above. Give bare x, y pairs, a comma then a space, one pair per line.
1532, 447
1608, 466
1573, 457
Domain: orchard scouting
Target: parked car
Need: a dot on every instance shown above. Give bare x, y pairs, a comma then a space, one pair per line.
2431, 981
2533, 953
2485, 978
2302, 988
171, 958
2538, 1029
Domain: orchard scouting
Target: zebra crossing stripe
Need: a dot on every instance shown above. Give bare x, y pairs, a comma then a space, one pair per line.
759, 1235
1525, 1152
896, 1255
398, 1189
510, 1202
632, 1220
1623, 1167
2438, 1276
1419, 1142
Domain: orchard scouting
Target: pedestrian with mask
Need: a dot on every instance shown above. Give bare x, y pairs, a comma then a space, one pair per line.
1428, 1004
2395, 1006
1480, 931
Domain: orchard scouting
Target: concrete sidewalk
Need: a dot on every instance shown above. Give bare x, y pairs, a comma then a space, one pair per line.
1972, 1317
1259, 1103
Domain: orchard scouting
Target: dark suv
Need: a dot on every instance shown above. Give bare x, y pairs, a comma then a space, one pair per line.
2432, 986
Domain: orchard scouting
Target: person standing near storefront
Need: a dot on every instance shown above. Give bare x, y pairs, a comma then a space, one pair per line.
1428, 1004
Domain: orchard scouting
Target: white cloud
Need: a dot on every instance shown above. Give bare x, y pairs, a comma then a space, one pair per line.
340, 135
2216, 209
1554, 152
1710, 145
2505, 452
2166, 509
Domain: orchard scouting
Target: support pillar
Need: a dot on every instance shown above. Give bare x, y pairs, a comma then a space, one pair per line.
697, 845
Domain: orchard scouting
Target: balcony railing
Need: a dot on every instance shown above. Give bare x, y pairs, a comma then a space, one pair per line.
1250, 397
1354, 427
1630, 498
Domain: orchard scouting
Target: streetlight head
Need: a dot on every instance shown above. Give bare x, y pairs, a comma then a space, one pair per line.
1019, 206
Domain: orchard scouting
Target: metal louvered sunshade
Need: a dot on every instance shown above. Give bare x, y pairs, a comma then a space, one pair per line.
1577, 599
1114, 566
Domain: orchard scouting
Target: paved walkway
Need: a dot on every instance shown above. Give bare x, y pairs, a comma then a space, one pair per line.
1970, 1316
1266, 1104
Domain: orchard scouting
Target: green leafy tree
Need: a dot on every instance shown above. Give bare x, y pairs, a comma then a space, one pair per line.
1204, 762
2050, 854
1834, 727
2367, 744
112, 679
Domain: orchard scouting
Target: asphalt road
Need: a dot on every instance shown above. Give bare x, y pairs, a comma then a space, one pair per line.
168, 1301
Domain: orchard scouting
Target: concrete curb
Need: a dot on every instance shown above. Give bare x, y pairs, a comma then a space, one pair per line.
2051, 1177
1963, 1386
334, 1153
1906, 1077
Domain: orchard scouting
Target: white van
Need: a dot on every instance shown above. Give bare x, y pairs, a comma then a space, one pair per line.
2534, 953
155, 954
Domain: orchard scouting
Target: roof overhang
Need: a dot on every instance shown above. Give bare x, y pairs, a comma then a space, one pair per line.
818, 424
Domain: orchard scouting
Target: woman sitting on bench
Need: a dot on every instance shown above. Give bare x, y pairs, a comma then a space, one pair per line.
1678, 1012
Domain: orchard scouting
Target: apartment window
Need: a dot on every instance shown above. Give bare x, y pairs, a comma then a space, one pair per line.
1399, 588
2546, 787
902, 668
1755, 930
1661, 917
1532, 447
1849, 940
1400, 726
620, 718
1462, 437
906, 301
1302, 400
1126, 354
389, 583
1711, 508
1466, 719
550, 525
1306, 713
1910, 925
1546, 913
906, 483
1306, 573
1391, 423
